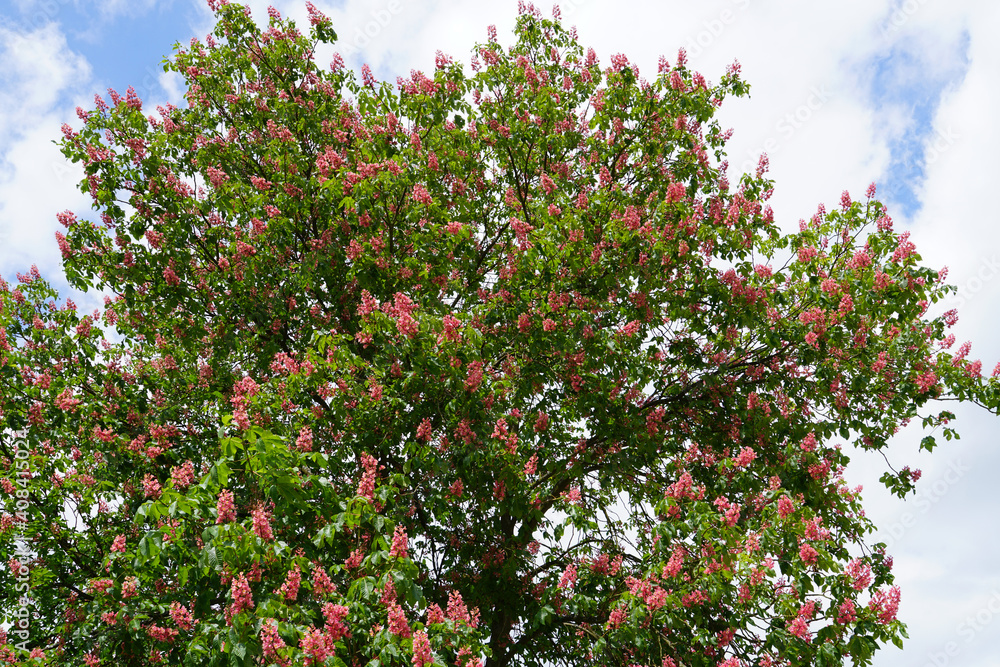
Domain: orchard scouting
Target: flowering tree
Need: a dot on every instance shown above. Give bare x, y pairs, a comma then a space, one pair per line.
479, 369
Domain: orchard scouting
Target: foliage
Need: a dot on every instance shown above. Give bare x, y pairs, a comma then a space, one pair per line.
491, 367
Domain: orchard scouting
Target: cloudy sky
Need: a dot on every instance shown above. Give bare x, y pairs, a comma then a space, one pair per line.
843, 93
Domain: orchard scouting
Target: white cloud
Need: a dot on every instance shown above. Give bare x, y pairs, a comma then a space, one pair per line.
39, 68
41, 73
37, 183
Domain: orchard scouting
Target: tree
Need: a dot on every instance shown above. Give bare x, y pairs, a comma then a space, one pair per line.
479, 369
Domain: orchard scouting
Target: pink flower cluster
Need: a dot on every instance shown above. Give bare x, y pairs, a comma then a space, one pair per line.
272, 642
568, 578
397, 622
860, 574
745, 457
366, 487
316, 647
304, 443
240, 592
183, 475
290, 588
885, 603
474, 376
225, 508
321, 582
66, 402
181, 616
262, 523
334, 615
150, 486
399, 543
421, 649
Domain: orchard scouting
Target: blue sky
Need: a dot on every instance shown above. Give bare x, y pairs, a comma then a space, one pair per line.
903, 84
900, 93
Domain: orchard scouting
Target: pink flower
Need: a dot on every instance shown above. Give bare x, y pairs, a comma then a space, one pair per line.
150, 486
183, 475
366, 76
354, 560
800, 628
745, 458
225, 508
304, 442
399, 543
424, 430
731, 511
904, 248
130, 587
785, 506
676, 562
334, 615
860, 574
630, 329
542, 423
321, 583
216, 176
397, 622
181, 616
885, 604
272, 642
531, 467
314, 645
118, 545
240, 592
262, 524
366, 487
435, 615
290, 589
846, 613
421, 195
616, 618
452, 328
474, 375
171, 276
860, 260
421, 649
66, 402
457, 611
808, 554
568, 578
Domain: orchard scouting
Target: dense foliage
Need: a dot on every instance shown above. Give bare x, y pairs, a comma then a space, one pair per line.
492, 368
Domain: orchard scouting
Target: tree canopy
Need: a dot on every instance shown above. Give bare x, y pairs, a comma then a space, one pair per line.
484, 368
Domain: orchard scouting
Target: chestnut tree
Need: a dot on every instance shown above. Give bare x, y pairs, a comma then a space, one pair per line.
494, 366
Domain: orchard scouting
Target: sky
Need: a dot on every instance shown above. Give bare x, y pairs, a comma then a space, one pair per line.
902, 94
